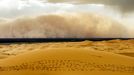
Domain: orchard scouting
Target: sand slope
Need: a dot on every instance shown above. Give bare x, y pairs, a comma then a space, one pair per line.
124, 47
67, 61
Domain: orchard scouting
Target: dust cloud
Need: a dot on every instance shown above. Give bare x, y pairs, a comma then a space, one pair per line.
62, 25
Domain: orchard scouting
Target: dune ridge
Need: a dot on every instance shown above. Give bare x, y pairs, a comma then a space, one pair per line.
66, 60
124, 47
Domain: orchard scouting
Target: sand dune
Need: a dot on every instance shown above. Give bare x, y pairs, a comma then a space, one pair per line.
81, 61
124, 47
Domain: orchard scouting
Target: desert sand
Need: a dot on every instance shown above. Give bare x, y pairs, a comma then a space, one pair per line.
64, 61
125, 47
113, 57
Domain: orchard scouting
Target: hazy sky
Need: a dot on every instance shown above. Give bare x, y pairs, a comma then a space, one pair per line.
112, 8
123, 5
16, 7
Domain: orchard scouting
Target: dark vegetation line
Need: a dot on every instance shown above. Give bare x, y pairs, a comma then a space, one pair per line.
35, 40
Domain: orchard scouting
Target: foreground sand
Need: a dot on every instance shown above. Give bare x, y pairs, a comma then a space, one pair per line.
67, 61
115, 57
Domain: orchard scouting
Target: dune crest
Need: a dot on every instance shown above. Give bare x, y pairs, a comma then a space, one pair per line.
67, 60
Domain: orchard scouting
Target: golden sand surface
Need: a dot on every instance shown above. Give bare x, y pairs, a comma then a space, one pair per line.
125, 47
67, 61
114, 57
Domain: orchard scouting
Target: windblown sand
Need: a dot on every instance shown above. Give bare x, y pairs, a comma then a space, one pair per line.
113, 57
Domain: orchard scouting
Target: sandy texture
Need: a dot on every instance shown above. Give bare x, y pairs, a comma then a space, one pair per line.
62, 61
125, 47
113, 57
